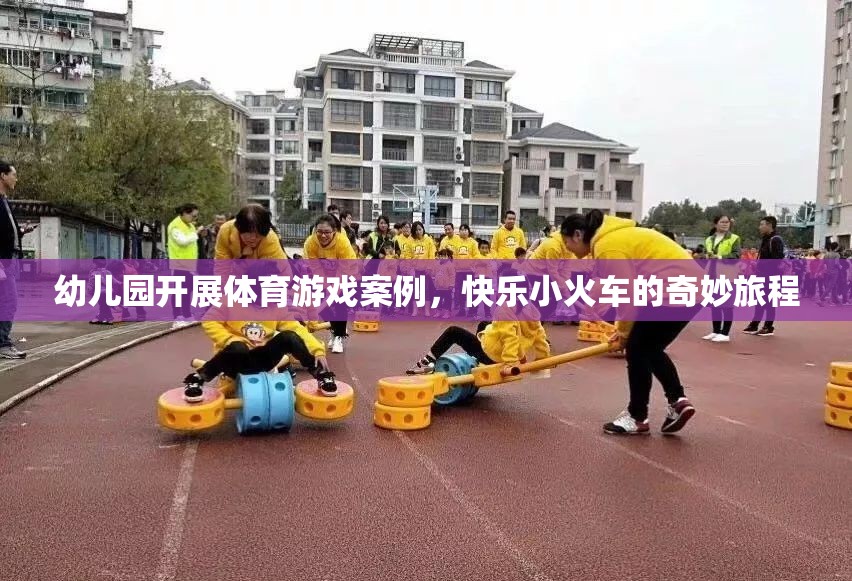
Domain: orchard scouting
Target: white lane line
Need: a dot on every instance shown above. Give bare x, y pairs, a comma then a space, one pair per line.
530, 569
732, 421
173, 536
709, 490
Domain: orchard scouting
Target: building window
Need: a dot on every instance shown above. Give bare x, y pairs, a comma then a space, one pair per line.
400, 115
439, 149
259, 127
443, 178
346, 112
396, 176
556, 183
557, 159
623, 190
439, 86
291, 147
257, 167
485, 185
345, 143
112, 39
345, 177
291, 166
586, 161
315, 185
832, 187
487, 153
627, 215
833, 163
588, 185
483, 215
529, 185
257, 146
346, 79
439, 116
279, 168
488, 90
488, 120
399, 82
314, 119
839, 18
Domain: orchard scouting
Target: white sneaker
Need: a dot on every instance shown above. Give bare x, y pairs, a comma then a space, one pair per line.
709, 337
337, 345
721, 339
625, 424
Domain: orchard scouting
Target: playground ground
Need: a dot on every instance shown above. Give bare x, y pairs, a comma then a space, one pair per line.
520, 483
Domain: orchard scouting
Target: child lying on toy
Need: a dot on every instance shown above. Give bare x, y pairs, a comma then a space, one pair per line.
246, 347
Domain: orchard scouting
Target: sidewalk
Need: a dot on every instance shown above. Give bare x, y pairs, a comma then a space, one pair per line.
52, 347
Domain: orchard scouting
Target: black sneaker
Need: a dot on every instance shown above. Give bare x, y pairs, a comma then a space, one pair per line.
12, 352
766, 332
193, 393
325, 381
752, 329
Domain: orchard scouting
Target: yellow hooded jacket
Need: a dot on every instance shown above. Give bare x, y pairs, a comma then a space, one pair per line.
510, 341
229, 247
423, 249
505, 242
466, 249
338, 249
257, 333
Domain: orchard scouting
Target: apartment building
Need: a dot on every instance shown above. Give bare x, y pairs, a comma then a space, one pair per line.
406, 112
557, 170
64, 48
834, 193
273, 144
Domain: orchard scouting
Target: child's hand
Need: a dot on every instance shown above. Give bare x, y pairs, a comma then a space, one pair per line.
617, 339
322, 362
507, 369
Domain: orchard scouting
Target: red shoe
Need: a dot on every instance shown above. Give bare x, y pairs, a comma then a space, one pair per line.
677, 415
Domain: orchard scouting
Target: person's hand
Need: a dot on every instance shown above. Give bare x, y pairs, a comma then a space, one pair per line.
322, 361
617, 340
200, 229
507, 369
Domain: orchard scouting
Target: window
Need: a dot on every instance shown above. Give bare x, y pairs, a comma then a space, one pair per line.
314, 119
313, 87
315, 185
279, 168
839, 18
345, 177
557, 159
443, 178
439, 86
588, 185
468, 88
291, 166
366, 180
346, 79
112, 39
833, 163
586, 161
439, 116
345, 143
835, 107
257, 166
314, 151
529, 185
485, 185
395, 176
488, 90
291, 147
487, 153
399, 115
285, 126
556, 183
439, 149
257, 146
627, 215
394, 149
488, 120
623, 190
483, 215
346, 112
399, 82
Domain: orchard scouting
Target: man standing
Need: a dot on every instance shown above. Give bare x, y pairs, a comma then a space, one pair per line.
10, 252
508, 238
768, 264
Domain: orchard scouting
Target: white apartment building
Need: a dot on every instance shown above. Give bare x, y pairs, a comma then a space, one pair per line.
273, 144
555, 171
65, 48
834, 189
407, 112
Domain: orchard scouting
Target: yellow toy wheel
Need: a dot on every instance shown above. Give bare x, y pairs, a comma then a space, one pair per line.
175, 413
366, 326
406, 391
394, 418
838, 417
838, 396
590, 336
841, 373
310, 403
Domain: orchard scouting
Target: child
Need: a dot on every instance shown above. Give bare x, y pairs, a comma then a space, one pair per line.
506, 341
444, 279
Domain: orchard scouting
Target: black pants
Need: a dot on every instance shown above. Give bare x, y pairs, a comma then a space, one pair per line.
464, 339
338, 328
237, 357
723, 320
647, 358
184, 309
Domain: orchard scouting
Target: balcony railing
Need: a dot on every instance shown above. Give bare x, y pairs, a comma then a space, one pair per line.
314, 157
594, 195
558, 193
625, 169
623, 197
416, 59
529, 193
394, 154
533, 164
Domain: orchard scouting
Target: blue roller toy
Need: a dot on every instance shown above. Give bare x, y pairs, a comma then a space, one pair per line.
269, 402
452, 365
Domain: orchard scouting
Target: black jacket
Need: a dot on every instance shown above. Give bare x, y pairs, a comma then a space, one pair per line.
7, 235
771, 249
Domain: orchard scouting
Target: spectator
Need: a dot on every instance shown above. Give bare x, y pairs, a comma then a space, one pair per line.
768, 264
183, 246
507, 238
10, 252
378, 238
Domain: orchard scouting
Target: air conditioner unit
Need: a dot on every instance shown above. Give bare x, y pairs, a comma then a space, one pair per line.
376, 214
380, 86
459, 157
835, 140
459, 181
125, 45
458, 149
377, 206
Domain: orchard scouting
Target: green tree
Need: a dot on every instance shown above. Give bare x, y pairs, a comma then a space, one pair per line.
288, 196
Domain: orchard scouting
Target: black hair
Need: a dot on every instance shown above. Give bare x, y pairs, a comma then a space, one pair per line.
451, 225
520, 252
512, 212
331, 208
716, 221
5, 167
327, 219
587, 224
464, 227
547, 230
253, 218
414, 228
445, 253
386, 220
184, 209
771, 220
346, 214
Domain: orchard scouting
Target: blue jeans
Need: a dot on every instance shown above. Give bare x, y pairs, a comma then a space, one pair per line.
8, 306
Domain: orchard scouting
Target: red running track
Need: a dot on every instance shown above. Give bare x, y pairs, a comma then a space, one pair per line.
519, 484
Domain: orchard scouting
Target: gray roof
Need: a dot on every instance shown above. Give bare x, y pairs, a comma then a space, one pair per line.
482, 65
189, 85
350, 52
521, 109
559, 131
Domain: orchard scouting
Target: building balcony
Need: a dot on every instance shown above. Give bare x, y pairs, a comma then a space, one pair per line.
529, 194
530, 164
595, 195
316, 197
625, 169
314, 157
560, 194
485, 195
394, 154
422, 60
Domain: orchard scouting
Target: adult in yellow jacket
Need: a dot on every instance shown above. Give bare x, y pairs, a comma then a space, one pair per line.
507, 238
327, 242
249, 235
245, 347
606, 238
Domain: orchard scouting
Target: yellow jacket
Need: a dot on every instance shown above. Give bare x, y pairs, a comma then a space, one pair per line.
256, 333
466, 249
505, 242
403, 242
451, 243
553, 248
423, 249
339, 248
229, 247
510, 341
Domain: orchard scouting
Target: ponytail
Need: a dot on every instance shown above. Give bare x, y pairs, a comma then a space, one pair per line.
587, 224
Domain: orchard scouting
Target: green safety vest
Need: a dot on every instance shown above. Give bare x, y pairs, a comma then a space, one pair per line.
729, 246
176, 251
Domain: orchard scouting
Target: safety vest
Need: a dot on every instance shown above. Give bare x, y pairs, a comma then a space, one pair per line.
177, 252
725, 247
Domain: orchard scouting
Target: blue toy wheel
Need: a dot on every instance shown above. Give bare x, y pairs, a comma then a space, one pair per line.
254, 415
282, 401
453, 365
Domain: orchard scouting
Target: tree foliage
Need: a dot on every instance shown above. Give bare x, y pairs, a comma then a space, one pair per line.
288, 196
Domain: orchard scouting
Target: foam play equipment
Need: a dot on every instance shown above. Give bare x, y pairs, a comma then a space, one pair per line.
316, 406
838, 396
841, 373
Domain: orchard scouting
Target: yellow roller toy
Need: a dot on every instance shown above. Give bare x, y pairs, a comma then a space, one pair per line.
264, 402
838, 396
404, 402
366, 322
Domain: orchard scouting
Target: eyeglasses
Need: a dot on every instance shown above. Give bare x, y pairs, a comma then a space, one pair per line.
324, 232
